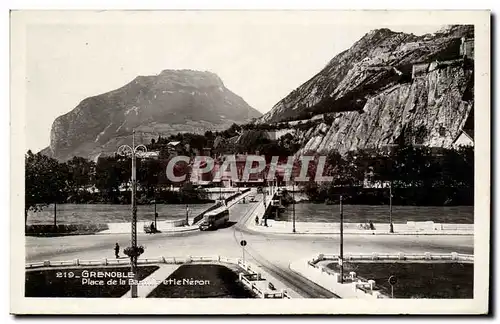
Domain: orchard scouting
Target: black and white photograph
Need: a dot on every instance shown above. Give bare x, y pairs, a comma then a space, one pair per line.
172, 159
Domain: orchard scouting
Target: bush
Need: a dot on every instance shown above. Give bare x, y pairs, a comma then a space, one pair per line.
131, 251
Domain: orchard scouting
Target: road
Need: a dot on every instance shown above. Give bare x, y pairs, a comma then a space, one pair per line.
272, 252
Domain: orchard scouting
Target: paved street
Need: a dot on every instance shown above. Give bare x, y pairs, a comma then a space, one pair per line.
273, 252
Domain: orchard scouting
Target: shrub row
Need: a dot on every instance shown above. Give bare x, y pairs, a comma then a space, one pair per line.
64, 229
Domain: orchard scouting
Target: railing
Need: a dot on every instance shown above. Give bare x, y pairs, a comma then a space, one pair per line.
250, 281
236, 195
330, 279
468, 258
198, 218
205, 258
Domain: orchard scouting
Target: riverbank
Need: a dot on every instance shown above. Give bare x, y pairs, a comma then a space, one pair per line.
180, 224
410, 228
322, 228
112, 213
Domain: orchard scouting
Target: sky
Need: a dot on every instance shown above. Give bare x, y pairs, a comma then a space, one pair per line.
261, 61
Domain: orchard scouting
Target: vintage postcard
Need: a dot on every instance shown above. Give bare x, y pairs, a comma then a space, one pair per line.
250, 162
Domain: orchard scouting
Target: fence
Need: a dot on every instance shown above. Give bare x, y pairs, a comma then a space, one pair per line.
250, 280
155, 260
196, 219
427, 256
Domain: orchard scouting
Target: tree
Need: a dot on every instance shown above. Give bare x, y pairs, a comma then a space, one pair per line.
190, 193
45, 181
79, 172
111, 173
148, 174
234, 130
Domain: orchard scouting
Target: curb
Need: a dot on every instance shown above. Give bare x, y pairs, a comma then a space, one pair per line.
254, 228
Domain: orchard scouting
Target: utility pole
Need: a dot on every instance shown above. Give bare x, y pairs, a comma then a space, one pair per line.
55, 216
389, 161
391, 226
264, 199
156, 214
293, 206
341, 259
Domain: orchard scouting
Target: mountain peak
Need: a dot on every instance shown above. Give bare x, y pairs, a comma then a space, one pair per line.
367, 92
167, 103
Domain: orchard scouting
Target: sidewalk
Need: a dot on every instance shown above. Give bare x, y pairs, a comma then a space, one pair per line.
148, 284
410, 228
330, 282
350, 228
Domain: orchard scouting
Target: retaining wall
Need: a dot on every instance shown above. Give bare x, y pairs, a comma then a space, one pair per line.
410, 226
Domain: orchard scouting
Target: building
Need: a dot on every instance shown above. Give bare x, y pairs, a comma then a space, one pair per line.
419, 69
464, 139
277, 134
206, 151
174, 147
467, 48
201, 178
148, 155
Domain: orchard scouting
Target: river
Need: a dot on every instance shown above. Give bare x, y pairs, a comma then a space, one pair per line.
109, 213
310, 212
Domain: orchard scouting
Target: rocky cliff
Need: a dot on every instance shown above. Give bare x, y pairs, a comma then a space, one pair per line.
171, 102
387, 88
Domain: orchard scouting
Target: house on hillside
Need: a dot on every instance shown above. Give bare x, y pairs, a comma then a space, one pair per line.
149, 155
277, 134
464, 139
467, 48
174, 147
419, 69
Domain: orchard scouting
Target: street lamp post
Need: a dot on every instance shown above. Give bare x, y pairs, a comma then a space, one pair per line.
126, 150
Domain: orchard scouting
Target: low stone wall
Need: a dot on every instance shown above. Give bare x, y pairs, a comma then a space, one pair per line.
409, 227
255, 282
427, 256
64, 229
198, 218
